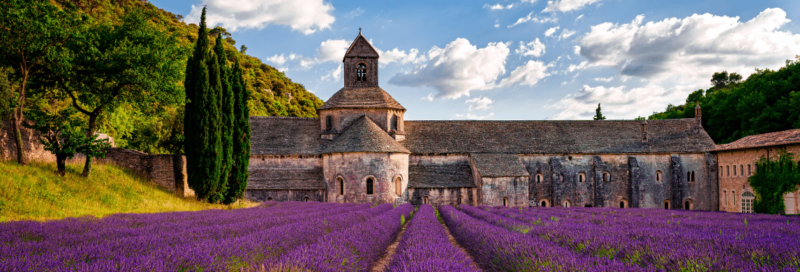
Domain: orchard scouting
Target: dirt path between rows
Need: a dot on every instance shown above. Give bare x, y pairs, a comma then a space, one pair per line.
383, 262
455, 243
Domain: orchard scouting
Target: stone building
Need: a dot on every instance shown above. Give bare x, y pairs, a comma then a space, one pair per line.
361, 149
737, 162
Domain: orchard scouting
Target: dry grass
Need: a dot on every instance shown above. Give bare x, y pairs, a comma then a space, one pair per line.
36, 192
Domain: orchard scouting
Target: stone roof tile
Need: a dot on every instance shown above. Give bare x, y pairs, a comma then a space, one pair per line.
448, 175
761, 140
284, 136
499, 165
363, 135
361, 98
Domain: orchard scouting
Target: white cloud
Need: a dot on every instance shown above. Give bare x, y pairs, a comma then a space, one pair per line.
567, 5
528, 74
304, 16
479, 103
604, 79
579, 17
400, 56
534, 19
334, 74
534, 48
576, 49
457, 69
498, 6
282, 69
474, 117
277, 59
617, 102
550, 31
566, 33
332, 50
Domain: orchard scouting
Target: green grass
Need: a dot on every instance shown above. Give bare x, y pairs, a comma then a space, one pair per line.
36, 192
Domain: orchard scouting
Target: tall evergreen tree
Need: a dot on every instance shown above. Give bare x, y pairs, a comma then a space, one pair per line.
597, 114
237, 181
226, 99
202, 145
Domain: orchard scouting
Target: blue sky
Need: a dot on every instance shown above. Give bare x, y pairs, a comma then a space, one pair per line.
515, 60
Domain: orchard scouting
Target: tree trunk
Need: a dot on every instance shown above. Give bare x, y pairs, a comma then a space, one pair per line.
87, 167
61, 163
17, 119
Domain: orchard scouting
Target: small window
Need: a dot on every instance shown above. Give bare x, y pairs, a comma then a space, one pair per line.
725, 193
505, 201
728, 170
747, 202
370, 184
693, 176
606, 176
425, 200
689, 176
459, 200
666, 204
269, 199
720, 170
567, 204
361, 72
734, 170
741, 170
329, 122
544, 203
305, 199
340, 183
539, 178
749, 172
398, 186
658, 176
581, 177
733, 197
687, 205
394, 122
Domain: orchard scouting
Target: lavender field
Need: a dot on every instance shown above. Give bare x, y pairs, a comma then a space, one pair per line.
295, 236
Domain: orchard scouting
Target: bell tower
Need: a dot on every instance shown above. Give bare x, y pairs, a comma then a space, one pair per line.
361, 64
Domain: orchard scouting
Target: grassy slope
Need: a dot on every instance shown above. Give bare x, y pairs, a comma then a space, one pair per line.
35, 192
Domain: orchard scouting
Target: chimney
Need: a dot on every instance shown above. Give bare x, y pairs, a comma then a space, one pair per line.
698, 115
644, 131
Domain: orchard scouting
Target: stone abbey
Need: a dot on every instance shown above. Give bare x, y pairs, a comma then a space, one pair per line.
361, 149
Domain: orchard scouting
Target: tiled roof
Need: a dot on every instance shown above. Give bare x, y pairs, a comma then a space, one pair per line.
499, 165
767, 139
360, 47
286, 179
284, 136
449, 175
362, 97
548, 137
364, 136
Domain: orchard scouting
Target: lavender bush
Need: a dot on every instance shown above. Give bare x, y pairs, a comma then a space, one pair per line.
425, 247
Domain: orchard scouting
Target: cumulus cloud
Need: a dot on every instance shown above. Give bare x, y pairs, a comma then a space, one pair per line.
567, 5
673, 57
497, 6
534, 48
332, 50
474, 117
528, 74
479, 103
277, 59
400, 56
334, 75
307, 16
566, 33
534, 19
457, 69
550, 31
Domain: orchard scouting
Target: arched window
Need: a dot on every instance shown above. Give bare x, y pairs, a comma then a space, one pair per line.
370, 184
606, 176
269, 199
734, 170
693, 176
749, 172
720, 171
728, 170
747, 202
505, 201
305, 199
741, 170
539, 178
544, 203
567, 204
398, 186
361, 72
666, 204
687, 204
733, 197
658, 176
425, 200
623, 203
581, 177
725, 202
394, 122
329, 122
340, 183
459, 200
689, 176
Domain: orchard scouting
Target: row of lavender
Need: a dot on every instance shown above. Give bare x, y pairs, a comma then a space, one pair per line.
663, 240
207, 240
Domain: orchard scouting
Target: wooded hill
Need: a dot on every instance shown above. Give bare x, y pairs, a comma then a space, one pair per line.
732, 109
160, 129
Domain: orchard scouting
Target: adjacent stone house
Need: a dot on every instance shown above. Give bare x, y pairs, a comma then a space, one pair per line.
361, 149
737, 162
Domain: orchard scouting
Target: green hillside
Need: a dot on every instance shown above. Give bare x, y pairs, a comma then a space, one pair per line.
767, 101
36, 192
160, 128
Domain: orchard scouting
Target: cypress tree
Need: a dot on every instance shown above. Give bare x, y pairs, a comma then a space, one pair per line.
237, 181
213, 127
202, 117
226, 100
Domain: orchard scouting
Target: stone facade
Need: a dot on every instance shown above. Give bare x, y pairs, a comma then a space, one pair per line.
737, 162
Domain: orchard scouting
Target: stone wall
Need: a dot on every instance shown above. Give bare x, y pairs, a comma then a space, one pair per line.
284, 195
735, 166
355, 168
342, 118
167, 171
514, 190
34, 150
443, 196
